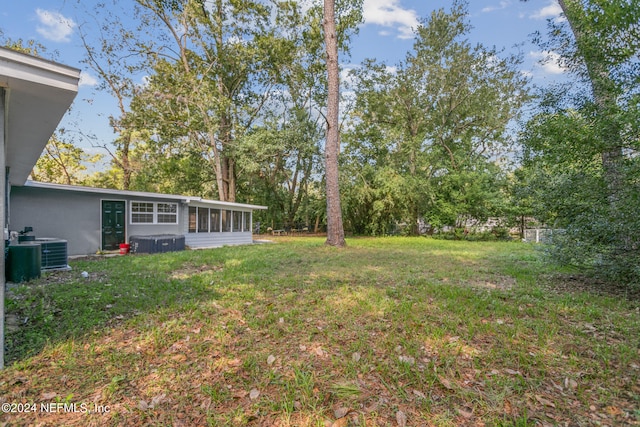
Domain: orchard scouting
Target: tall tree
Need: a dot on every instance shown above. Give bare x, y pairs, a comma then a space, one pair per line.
107, 45
335, 228
434, 125
599, 43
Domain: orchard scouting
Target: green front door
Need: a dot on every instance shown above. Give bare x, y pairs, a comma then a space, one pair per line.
113, 220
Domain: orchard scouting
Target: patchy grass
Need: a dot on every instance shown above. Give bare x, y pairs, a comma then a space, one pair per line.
384, 332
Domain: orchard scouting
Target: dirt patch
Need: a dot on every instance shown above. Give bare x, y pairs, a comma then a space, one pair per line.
495, 282
190, 270
568, 283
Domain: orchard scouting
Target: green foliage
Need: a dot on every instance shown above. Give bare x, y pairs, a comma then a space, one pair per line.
425, 135
62, 162
495, 234
30, 47
580, 160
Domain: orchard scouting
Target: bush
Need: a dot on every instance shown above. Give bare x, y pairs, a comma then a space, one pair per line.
496, 233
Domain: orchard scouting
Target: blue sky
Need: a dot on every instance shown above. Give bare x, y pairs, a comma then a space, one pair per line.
386, 35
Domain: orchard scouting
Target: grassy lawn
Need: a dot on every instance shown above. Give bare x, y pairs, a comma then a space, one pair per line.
396, 331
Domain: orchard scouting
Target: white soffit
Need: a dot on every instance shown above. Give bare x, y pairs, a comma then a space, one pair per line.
38, 94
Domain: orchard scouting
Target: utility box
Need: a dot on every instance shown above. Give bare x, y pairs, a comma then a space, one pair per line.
156, 244
24, 262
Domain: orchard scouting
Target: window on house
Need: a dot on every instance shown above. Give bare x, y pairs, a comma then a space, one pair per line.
141, 213
203, 220
193, 219
226, 220
237, 221
167, 213
154, 213
215, 220
247, 221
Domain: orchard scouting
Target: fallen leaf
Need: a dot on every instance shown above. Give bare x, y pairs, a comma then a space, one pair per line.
49, 396
254, 393
508, 409
340, 422
401, 418
465, 414
545, 402
613, 410
569, 383
445, 382
156, 400
419, 394
372, 407
239, 394
355, 357
179, 357
341, 412
271, 359
512, 372
234, 362
142, 405
407, 359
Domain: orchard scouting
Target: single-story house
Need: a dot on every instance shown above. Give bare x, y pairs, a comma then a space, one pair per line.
34, 96
99, 219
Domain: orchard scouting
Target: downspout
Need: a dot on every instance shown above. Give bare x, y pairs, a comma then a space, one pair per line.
3, 207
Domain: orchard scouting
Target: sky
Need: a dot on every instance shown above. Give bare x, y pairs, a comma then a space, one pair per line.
386, 35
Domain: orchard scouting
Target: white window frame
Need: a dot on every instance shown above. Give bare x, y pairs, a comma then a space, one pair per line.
155, 212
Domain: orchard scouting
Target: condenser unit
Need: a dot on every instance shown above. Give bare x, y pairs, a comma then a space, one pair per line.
54, 253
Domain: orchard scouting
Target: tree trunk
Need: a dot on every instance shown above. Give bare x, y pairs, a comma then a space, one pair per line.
612, 154
335, 229
609, 132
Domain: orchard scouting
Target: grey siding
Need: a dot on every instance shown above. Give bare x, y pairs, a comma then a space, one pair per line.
214, 240
200, 240
76, 216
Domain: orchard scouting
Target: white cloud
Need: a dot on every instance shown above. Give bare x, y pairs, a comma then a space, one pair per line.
391, 69
552, 10
345, 74
548, 61
87, 79
389, 13
503, 5
54, 26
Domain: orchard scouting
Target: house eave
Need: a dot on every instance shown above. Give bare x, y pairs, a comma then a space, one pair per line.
140, 194
38, 92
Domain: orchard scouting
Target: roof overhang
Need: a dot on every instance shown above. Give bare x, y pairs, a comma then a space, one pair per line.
38, 93
140, 194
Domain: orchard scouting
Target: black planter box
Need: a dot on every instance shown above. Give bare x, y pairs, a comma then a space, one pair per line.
156, 244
